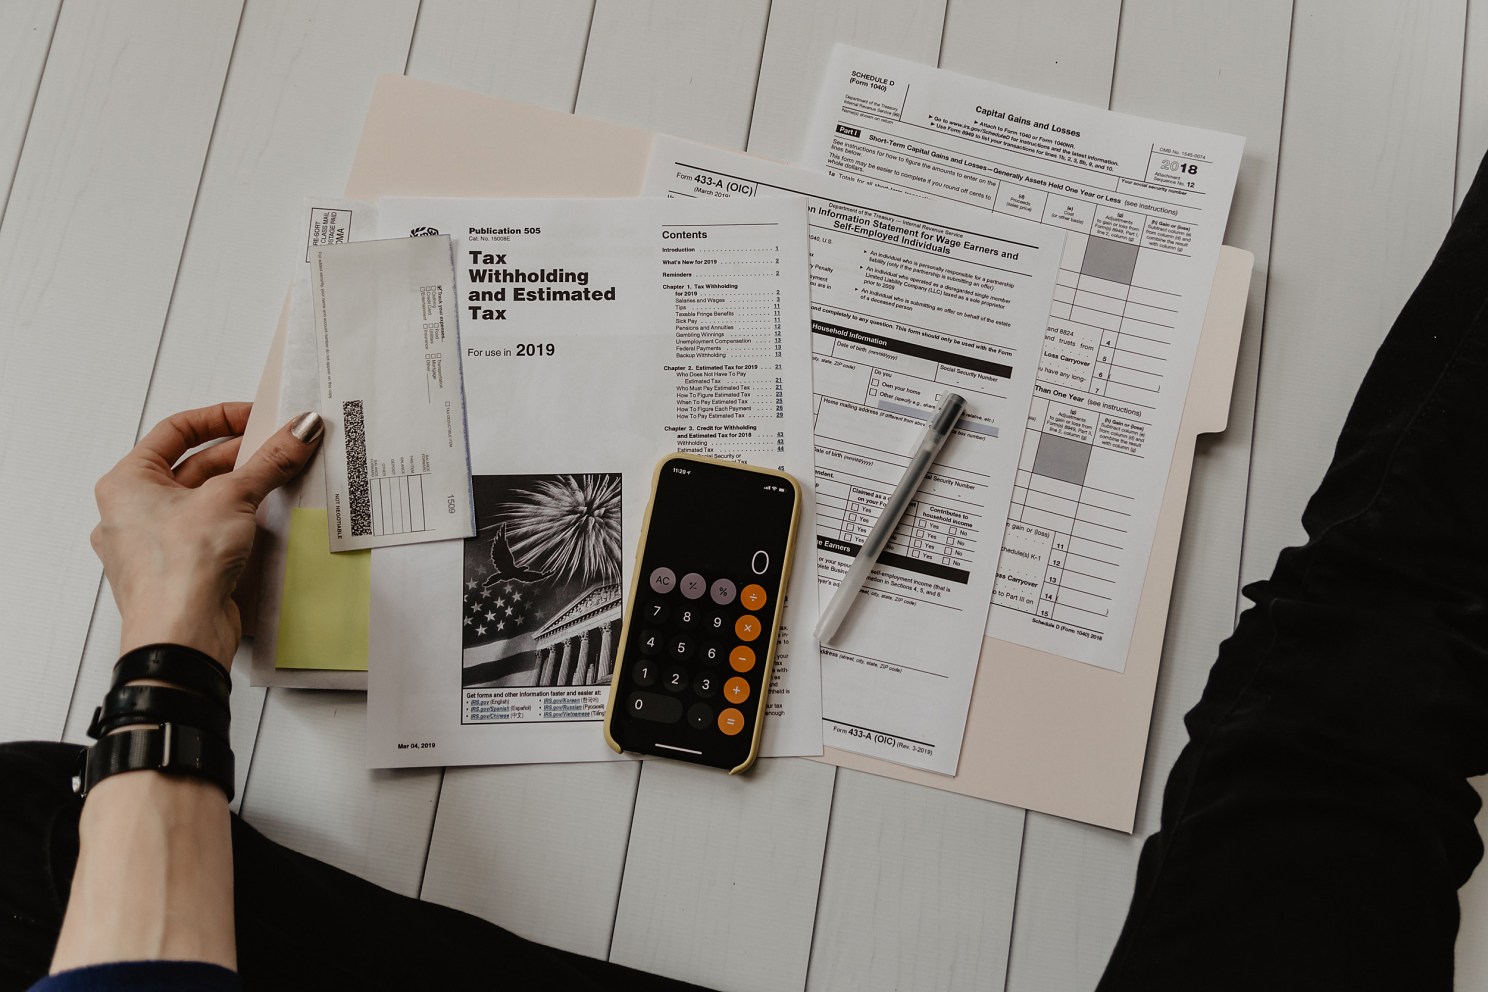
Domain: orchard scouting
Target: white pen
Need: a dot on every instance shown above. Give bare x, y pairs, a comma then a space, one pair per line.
931, 441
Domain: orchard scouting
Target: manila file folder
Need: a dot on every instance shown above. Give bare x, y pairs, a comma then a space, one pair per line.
1043, 732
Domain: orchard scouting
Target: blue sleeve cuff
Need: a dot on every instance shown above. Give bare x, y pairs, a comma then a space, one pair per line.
143, 976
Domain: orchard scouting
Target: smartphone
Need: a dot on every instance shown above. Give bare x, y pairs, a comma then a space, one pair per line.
703, 617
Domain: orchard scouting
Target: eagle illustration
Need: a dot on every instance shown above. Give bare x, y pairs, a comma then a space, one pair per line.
504, 567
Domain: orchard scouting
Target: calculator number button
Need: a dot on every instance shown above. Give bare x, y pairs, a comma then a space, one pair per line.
705, 685
656, 611
710, 652
644, 674
680, 647
687, 617
651, 643
650, 706
674, 680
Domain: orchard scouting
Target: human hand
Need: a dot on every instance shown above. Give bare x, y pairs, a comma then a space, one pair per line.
174, 538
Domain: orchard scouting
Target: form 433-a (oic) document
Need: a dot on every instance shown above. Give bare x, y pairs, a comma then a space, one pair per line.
909, 299
599, 336
1144, 205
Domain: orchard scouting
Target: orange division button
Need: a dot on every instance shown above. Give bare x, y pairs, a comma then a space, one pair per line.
747, 627
741, 658
731, 721
753, 596
736, 690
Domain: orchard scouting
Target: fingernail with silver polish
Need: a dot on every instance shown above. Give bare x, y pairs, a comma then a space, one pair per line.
307, 427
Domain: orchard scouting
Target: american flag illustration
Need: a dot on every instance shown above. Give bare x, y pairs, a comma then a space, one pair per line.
541, 541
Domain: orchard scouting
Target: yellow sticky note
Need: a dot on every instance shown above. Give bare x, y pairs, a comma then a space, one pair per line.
327, 602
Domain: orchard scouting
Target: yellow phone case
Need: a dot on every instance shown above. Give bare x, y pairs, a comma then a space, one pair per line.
768, 668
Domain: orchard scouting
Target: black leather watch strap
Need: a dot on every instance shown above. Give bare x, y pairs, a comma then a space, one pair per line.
165, 748
185, 667
130, 704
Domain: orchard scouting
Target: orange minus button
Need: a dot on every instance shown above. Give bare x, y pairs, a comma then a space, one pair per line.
741, 658
731, 721
753, 596
747, 627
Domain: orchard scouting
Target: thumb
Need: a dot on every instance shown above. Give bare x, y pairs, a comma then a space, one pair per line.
280, 458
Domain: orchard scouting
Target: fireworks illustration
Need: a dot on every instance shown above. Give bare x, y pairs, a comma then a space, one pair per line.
567, 526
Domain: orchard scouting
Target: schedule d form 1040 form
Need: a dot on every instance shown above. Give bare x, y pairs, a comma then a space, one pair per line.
1143, 205
909, 299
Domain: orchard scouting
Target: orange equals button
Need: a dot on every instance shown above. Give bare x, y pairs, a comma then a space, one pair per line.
731, 721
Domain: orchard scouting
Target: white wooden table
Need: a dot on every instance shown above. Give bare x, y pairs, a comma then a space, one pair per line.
153, 154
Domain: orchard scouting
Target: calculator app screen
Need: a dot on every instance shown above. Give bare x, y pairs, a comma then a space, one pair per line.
708, 595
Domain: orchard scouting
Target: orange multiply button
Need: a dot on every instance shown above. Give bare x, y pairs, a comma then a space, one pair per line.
731, 721
741, 658
736, 690
753, 596
747, 627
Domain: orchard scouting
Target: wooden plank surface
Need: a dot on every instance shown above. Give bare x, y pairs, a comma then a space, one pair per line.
89, 250
287, 122
1472, 125
285, 125
517, 49
291, 115
917, 889
799, 42
537, 849
1472, 142
320, 800
1363, 199
1233, 65
915, 886
25, 35
702, 87
1378, 84
1063, 48
1472, 899
721, 878
288, 125
1076, 880
677, 66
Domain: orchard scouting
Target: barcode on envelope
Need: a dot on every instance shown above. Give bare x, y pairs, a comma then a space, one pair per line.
357, 489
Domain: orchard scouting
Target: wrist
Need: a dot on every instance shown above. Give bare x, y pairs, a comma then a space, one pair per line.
186, 629
170, 897
169, 710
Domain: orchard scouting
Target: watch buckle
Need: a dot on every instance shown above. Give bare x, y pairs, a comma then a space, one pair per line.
80, 776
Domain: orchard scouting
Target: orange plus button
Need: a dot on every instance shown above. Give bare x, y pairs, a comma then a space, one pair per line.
731, 721
753, 596
747, 627
736, 690
741, 658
